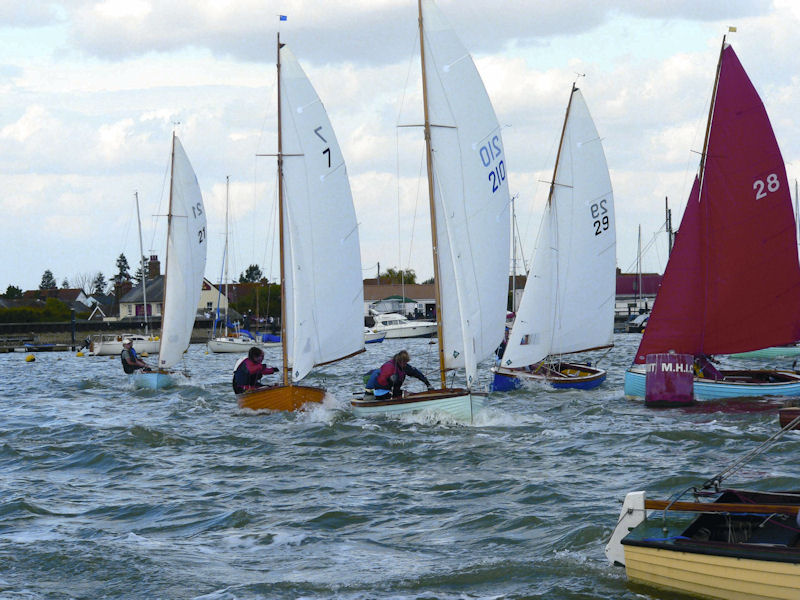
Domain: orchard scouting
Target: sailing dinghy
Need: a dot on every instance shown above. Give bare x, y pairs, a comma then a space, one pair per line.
469, 203
732, 283
186, 265
322, 295
568, 302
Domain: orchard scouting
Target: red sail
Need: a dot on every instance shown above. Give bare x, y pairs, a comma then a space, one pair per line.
732, 283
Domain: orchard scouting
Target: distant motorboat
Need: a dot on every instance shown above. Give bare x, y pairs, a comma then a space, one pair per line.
110, 344
373, 337
396, 325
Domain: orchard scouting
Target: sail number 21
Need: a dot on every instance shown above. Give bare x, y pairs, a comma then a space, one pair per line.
761, 188
491, 154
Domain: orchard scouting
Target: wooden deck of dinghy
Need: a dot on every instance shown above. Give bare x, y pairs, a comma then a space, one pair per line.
280, 397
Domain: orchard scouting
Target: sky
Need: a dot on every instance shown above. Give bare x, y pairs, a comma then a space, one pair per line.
90, 92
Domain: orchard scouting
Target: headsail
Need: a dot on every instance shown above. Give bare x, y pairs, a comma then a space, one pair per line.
742, 253
471, 199
186, 259
322, 259
568, 303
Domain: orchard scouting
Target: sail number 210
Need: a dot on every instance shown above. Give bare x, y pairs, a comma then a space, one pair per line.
491, 157
762, 188
599, 216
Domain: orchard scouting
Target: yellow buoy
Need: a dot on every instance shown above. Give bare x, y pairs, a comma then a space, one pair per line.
144, 354
30, 358
79, 354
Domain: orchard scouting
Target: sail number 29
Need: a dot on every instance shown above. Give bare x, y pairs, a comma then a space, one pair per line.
599, 216
491, 157
762, 188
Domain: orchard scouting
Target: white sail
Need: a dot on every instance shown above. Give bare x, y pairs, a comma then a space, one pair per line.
322, 260
186, 259
568, 303
470, 196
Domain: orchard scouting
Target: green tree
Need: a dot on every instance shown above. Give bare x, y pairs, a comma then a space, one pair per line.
48, 281
12, 292
65, 284
431, 280
393, 275
99, 284
252, 275
262, 299
123, 270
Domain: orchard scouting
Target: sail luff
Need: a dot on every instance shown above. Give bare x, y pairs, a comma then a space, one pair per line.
432, 203
286, 366
167, 252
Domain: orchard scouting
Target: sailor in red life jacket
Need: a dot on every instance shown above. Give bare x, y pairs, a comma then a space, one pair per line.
391, 375
248, 371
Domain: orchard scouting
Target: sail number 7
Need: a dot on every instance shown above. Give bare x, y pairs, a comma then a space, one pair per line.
491, 157
762, 188
599, 216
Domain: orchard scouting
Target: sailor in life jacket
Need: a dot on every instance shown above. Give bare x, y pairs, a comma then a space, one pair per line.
388, 380
130, 360
248, 371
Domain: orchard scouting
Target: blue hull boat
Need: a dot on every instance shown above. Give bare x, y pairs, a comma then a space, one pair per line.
564, 376
734, 384
153, 380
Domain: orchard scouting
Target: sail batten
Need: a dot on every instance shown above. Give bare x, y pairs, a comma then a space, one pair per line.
735, 256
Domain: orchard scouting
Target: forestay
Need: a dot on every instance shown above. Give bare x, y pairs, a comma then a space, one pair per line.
322, 260
186, 259
568, 303
471, 200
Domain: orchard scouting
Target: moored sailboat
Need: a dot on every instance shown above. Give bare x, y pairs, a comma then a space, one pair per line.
185, 268
726, 543
469, 204
322, 295
732, 283
568, 302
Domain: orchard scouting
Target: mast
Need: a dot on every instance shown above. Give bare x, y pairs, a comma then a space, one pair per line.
280, 223
141, 260
639, 271
431, 200
225, 251
710, 115
514, 258
169, 233
560, 144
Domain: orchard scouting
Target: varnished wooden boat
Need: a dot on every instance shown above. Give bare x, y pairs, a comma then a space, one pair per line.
280, 397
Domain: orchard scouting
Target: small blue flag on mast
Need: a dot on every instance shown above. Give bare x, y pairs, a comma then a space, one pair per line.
282, 17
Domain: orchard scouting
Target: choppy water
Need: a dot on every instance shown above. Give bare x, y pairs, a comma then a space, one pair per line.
110, 492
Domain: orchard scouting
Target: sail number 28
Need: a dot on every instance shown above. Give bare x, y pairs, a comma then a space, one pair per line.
599, 216
762, 188
491, 154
